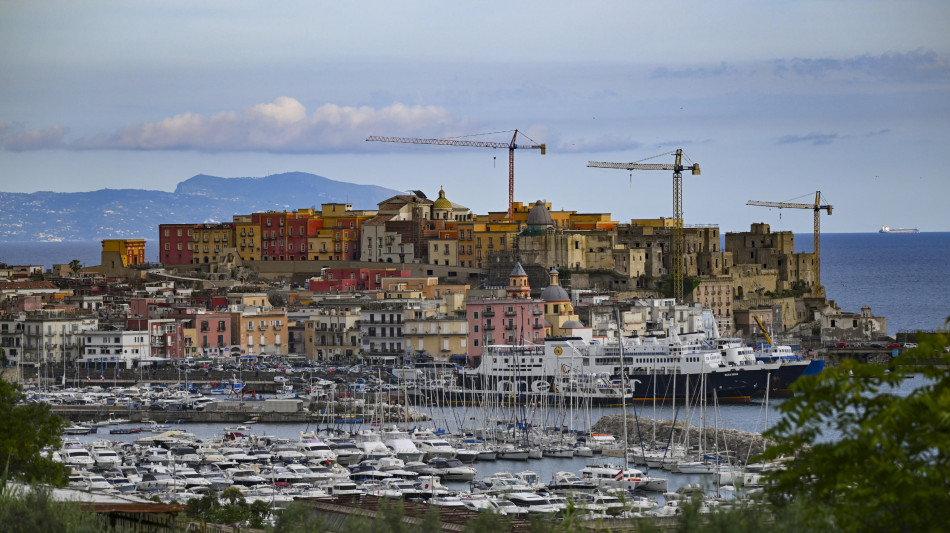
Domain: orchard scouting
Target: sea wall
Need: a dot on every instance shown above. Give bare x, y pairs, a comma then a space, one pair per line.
741, 444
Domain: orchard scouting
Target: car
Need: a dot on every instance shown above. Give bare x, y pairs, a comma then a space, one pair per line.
841, 345
909, 345
895, 345
279, 379
157, 407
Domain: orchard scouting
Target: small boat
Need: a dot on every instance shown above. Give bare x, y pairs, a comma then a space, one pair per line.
125, 431
76, 429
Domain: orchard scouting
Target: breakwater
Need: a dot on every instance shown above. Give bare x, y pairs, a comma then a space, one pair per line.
742, 445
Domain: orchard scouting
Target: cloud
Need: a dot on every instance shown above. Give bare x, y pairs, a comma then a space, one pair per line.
281, 126
813, 138
917, 65
17, 138
724, 69
885, 131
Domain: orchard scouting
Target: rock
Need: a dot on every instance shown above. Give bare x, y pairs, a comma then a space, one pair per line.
741, 444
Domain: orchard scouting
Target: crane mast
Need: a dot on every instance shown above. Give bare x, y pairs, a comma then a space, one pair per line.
679, 236
511, 146
816, 207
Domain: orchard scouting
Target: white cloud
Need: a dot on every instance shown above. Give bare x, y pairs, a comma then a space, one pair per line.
17, 138
281, 126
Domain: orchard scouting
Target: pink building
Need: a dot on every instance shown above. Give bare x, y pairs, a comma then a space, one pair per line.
513, 320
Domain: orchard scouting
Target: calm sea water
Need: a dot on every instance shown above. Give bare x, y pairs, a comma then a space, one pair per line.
905, 278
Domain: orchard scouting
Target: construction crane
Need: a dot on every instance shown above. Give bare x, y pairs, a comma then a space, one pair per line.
679, 237
511, 146
817, 207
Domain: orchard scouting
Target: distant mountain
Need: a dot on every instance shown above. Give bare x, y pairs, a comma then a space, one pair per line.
136, 213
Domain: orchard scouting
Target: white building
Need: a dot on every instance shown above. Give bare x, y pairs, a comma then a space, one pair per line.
116, 347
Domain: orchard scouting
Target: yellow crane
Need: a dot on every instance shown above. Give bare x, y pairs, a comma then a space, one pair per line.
817, 207
511, 146
679, 238
768, 338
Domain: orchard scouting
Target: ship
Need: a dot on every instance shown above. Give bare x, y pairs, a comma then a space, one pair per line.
888, 229
605, 372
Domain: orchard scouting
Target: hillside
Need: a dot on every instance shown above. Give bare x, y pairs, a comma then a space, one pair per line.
136, 213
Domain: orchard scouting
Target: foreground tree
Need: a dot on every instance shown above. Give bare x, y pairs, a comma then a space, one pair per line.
871, 455
25, 429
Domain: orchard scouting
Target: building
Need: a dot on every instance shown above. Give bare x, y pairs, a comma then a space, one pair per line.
381, 331
212, 242
54, 336
123, 253
259, 331
442, 337
333, 333
166, 336
115, 348
175, 244
511, 320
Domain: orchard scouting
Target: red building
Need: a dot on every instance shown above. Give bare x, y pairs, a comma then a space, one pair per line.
354, 279
297, 237
175, 243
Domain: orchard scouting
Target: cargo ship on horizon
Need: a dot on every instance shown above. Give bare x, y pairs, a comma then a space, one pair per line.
888, 229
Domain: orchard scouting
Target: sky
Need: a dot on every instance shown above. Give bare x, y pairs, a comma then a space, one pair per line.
774, 100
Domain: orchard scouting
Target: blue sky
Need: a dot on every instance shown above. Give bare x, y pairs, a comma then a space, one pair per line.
774, 100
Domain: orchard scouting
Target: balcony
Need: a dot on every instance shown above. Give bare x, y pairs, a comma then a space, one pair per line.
511, 313
489, 328
488, 313
510, 327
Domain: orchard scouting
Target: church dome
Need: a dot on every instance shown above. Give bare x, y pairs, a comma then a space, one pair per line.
554, 293
539, 216
442, 202
572, 324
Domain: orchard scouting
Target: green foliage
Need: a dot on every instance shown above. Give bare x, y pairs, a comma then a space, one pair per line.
25, 429
665, 285
34, 511
75, 266
299, 518
236, 511
887, 468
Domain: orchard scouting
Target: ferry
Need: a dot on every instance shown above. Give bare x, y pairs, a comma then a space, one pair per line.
674, 367
888, 229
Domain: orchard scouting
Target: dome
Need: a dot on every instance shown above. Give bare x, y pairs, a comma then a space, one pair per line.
539, 216
554, 293
442, 202
572, 324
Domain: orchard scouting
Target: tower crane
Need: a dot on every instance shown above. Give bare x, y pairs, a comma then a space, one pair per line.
679, 238
511, 146
816, 207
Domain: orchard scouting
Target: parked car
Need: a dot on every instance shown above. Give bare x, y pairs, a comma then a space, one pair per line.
909, 345
895, 345
841, 345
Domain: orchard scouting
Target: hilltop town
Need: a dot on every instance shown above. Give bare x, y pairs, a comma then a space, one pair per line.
415, 277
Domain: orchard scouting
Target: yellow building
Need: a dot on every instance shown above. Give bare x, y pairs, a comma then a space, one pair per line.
123, 252
249, 299
260, 332
210, 241
247, 238
438, 336
332, 334
444, 252
494, 238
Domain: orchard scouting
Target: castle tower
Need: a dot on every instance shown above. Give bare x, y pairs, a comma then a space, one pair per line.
518, 283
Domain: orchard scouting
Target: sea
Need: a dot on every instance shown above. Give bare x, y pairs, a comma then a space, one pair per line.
902, 277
